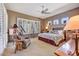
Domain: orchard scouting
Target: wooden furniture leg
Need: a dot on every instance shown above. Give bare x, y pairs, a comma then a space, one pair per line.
18, 46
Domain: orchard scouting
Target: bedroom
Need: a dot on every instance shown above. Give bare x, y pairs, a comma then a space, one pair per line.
41, 24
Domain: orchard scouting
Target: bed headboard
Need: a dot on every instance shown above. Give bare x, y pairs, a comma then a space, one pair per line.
69, 34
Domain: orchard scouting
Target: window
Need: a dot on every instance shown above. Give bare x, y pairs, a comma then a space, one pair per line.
64, 20
29, 26
3, 28
56, 22
36, 26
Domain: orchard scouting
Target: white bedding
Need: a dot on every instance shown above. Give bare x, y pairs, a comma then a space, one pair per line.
50, 36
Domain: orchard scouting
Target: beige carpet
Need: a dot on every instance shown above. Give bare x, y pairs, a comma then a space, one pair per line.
36, 48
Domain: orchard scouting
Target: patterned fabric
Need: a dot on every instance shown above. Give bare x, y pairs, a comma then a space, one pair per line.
51, 36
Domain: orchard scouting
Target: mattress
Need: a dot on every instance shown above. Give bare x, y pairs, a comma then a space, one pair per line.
51, 36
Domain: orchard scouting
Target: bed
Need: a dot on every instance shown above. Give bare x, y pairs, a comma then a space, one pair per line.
50, 38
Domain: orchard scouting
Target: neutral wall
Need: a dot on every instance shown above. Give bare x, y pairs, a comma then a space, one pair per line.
43, 22
70, 13
12, 17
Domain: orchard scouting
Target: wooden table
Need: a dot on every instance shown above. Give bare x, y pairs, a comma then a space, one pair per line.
19, 45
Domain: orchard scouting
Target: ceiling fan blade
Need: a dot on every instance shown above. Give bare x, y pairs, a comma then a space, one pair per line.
46, 13
46, 9
42, 6
42, 11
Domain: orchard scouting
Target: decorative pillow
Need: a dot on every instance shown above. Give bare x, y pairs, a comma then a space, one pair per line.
60, 32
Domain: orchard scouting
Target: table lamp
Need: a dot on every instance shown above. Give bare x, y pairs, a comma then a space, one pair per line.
73, 24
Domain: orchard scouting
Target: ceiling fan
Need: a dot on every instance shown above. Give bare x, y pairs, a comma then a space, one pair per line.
44, 10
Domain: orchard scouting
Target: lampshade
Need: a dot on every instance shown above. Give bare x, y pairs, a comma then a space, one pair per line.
73, 23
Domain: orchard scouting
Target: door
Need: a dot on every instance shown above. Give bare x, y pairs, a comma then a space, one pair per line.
3, 28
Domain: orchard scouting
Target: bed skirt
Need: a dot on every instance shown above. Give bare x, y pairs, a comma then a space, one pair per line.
48, 41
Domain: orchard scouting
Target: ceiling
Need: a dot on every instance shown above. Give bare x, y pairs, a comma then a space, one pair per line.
34, 9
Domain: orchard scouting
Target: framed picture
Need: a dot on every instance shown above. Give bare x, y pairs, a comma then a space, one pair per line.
49, 22
64, 20
55, 22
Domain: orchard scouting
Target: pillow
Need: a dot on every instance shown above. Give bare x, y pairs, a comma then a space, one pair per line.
60, 32
56, 32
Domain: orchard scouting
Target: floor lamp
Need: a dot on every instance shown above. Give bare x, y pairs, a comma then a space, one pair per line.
73, 24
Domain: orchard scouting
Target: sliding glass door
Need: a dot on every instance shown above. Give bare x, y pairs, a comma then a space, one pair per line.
3, 28
36, 26
29, 26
